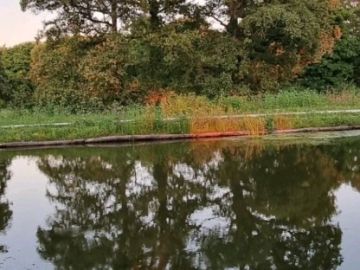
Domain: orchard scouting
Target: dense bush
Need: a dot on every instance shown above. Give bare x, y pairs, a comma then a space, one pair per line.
340, 68
55, 71
202, 62
76, 72
281, 39
106, 72
16, 64
126, 69
3, 85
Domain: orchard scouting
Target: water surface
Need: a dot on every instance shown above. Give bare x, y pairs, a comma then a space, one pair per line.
218, 204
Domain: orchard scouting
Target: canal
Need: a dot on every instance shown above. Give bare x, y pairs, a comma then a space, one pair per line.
276, 203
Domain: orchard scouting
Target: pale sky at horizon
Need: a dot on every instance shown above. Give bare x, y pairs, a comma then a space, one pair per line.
17, 26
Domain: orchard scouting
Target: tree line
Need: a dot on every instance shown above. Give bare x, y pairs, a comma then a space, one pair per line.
109, 51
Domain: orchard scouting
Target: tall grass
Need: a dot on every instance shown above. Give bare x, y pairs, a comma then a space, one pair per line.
186, 114
295, 99
292, 99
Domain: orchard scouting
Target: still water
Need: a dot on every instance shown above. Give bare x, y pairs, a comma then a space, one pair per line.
223, 204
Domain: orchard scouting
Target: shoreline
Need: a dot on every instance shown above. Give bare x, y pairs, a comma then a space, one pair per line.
167, 137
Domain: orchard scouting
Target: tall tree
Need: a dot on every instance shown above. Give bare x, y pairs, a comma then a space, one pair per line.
80, 16
231, 13
104, 16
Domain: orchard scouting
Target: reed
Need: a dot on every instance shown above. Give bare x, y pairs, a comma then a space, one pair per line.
254, 125
283, 122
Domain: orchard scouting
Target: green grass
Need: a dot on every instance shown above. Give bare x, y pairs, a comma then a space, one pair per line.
88, 129
292, 100
108, 128
186, 110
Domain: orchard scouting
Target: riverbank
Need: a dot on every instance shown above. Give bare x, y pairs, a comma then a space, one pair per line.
166, 137
187, 116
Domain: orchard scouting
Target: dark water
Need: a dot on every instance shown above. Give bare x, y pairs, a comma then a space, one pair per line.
228, 204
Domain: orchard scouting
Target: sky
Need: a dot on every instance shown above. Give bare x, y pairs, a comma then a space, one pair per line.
17, 26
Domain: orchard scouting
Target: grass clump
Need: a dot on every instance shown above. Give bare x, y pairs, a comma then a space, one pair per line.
295, 99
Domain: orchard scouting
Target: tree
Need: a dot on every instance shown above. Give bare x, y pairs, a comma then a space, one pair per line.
160, 12
337, 69
280, 37
104, 16
87, 17
229, 13
341, 66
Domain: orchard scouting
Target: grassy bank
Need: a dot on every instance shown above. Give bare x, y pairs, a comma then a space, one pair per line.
186, 114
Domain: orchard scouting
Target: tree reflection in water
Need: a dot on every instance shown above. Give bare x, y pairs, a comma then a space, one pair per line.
203, 205
5, 212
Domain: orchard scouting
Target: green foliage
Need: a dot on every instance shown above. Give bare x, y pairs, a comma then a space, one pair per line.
4, 84
93, 17
79, 73
295, 98
106, 71
56, 73
97, 57
16, 64
123, 69
280, 37
291, 26
189, 61
338, 69
219, 57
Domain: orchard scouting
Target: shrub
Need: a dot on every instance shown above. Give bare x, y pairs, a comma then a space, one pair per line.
340, 68
204, 62
4, 85
55, 70
220, 59
283, 38
76, 72
105, 72
16, 63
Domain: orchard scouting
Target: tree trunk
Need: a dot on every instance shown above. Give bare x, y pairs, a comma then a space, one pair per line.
232, 27
114, 17
154, 10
